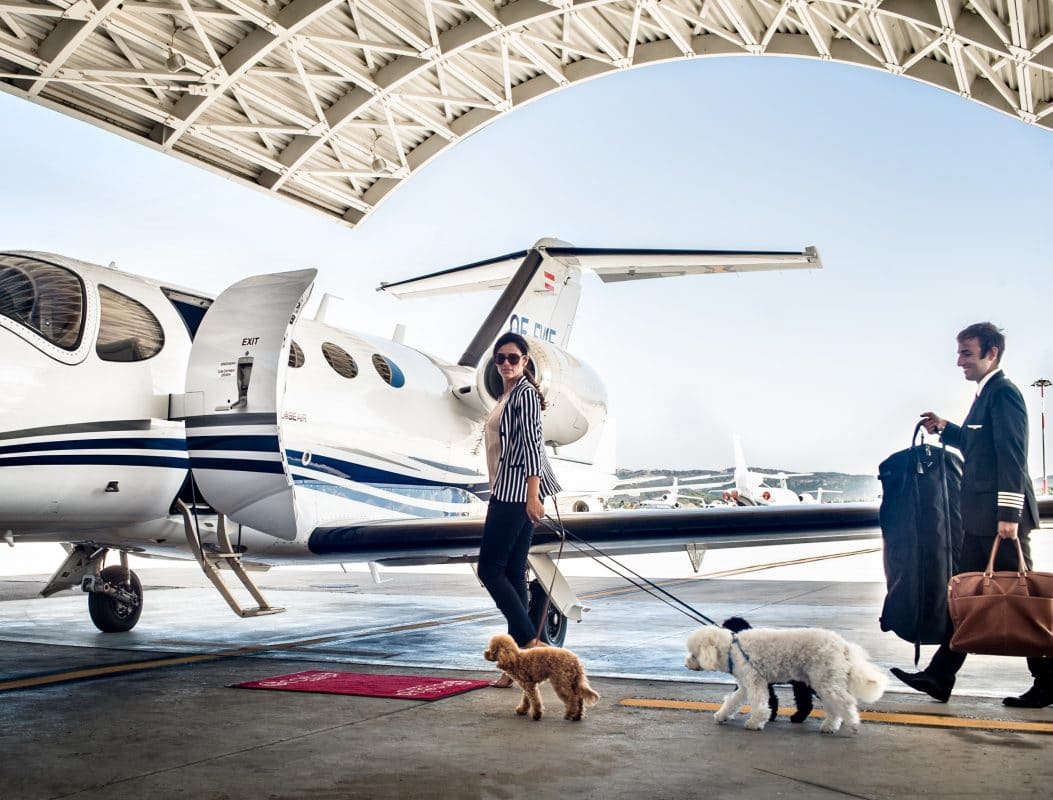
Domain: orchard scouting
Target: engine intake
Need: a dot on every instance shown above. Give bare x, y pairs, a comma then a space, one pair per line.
574, 393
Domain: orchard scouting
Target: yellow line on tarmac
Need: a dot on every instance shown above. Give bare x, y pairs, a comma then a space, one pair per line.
894, 718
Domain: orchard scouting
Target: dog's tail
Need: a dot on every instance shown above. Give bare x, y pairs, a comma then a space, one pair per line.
589, 696
865, 681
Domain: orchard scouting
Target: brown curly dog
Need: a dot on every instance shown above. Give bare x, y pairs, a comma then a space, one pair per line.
532, 667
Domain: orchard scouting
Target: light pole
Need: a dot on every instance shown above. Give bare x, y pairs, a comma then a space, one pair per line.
1042, 383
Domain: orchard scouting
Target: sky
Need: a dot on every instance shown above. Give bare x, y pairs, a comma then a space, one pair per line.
930, 212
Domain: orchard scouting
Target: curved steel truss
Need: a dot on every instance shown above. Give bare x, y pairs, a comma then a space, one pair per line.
334, 103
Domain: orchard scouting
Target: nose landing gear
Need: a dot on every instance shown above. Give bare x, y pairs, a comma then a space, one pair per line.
115, 599
115, 594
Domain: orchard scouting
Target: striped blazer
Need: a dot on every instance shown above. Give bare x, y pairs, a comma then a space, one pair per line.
522, 447
993, 439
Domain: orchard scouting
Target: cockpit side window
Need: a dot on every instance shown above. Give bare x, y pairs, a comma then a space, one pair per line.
48, 300
128, 331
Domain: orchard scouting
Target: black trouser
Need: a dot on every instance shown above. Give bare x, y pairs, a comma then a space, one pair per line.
503, 562
976, 550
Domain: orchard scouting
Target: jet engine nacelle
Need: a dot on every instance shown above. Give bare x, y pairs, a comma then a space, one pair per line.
575, 396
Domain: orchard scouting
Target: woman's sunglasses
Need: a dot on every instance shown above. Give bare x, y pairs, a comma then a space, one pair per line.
511, 358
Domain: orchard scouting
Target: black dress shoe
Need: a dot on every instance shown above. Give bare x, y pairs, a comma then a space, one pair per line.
1035, 697
924, 682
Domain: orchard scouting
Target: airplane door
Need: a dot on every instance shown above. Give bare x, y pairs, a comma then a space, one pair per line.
235, 387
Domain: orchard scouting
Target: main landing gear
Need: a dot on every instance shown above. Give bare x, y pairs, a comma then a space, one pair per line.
554, 631
115, 594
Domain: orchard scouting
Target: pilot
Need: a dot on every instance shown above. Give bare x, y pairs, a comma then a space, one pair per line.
993, 439
520, 480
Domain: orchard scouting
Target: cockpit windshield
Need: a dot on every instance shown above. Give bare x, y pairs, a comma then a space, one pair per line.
44, 298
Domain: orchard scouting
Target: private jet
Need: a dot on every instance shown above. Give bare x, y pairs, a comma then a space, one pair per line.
140, 416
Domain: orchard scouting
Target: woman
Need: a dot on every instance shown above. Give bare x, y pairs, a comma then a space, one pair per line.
520, 479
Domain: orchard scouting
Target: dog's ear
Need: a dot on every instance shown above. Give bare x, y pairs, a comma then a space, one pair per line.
708, 653
735, 624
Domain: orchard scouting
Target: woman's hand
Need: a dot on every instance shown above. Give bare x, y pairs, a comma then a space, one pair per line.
535, 509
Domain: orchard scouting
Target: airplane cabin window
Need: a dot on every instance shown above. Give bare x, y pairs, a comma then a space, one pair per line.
48, 300
295, 355
128, 331
340, 360
388, 371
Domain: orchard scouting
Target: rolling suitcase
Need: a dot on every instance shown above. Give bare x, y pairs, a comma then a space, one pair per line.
921, 529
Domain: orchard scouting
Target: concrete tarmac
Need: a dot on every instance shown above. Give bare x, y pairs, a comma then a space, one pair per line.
150, 713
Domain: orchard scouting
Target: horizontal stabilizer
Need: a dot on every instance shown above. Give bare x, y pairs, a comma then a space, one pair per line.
631, 265
494, 273
611, 264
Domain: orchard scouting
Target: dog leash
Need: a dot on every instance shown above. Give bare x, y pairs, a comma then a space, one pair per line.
684, 608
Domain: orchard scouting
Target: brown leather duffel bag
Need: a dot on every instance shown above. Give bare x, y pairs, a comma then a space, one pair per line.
1002, 613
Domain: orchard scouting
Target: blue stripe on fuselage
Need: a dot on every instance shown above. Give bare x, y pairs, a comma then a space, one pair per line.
115, 459
97, 444
252, 444
371, 475
388, 504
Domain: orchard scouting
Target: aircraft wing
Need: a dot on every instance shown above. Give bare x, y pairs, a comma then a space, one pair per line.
436, 541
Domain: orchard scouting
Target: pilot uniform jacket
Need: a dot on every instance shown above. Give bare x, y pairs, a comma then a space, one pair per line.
993, 439
522, 447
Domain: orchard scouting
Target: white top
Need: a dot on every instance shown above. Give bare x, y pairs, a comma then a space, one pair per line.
492, 437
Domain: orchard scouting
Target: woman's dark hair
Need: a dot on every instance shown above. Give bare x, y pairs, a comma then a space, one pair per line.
524, 349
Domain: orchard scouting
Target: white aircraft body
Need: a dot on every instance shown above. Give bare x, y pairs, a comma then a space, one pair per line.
305, 442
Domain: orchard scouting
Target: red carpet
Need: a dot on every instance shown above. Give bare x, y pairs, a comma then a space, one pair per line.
405, 687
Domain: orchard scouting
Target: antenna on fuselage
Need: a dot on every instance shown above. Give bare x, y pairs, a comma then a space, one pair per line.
323, 306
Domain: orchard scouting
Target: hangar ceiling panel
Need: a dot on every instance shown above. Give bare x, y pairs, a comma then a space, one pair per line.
334, 103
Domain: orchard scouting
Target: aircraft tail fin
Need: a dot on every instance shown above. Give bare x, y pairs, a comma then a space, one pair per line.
542, 285
742, 472
539, 298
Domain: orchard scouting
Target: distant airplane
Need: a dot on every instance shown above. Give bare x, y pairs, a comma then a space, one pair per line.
671, 496
751, 487
137, 416
807, 497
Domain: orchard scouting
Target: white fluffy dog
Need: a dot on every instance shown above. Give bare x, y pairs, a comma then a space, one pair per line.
839, 671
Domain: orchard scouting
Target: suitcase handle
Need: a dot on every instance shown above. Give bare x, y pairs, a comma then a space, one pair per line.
919, 428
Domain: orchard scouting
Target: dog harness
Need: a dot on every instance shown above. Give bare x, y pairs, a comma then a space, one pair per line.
731, 664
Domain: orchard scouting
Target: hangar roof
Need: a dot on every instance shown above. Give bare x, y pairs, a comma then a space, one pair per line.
334, 103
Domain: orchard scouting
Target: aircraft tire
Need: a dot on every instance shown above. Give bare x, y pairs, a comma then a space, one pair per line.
554, 631
109, 615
